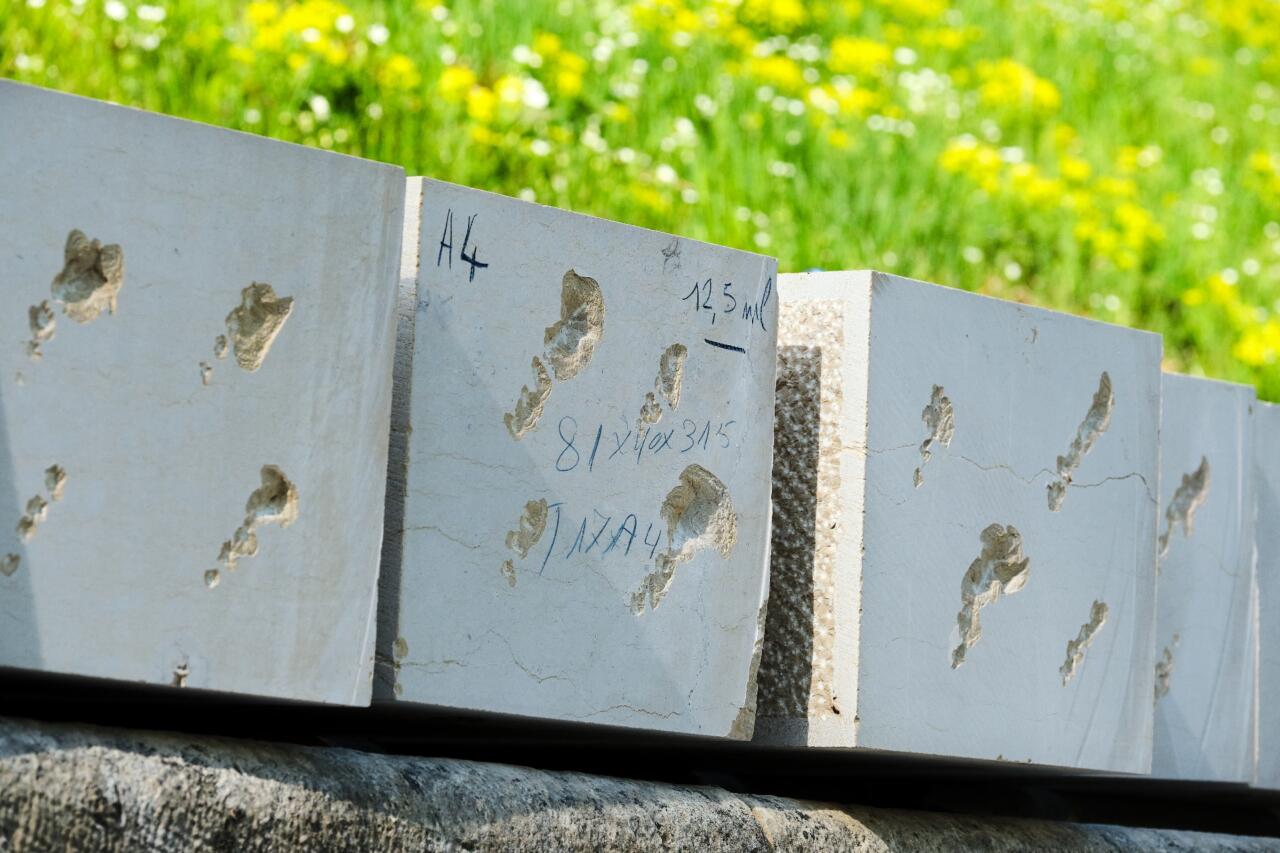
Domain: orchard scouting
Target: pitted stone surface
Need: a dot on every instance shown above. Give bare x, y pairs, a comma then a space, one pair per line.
621, 381
126, 239
796, 664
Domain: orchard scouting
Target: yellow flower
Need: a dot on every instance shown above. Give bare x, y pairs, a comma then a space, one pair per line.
775, 15
262, 12
482, 104
1127, 159
1008, 84
546, 45
857, 101
777, 70
1138, 225
320, 15
1116, 187
839, 139
855, 55
269, 39
509, 88
568, 83
570, 69
1193, 297
484, 136
979, 161
925, 10
618, 113
650, 198
1259, 345
310, 25
335, 52
399, 72
455, 82
948, 38
1074, 169
687, 21
1263, 162
1064, 136
741, 38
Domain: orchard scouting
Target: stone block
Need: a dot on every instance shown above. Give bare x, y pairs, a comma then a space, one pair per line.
964, 527
1266, 532
195, 388
589, 438
1206, 640
66, 787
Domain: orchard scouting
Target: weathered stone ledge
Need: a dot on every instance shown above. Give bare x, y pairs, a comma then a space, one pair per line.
65, 787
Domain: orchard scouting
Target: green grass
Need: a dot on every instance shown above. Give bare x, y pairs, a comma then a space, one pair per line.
656, 114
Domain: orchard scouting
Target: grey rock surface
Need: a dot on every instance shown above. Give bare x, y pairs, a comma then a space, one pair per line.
65, 787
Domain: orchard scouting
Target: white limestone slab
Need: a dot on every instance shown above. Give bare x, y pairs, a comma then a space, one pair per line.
1266, 492
1205, 630
587, 506
137, 444
936, 448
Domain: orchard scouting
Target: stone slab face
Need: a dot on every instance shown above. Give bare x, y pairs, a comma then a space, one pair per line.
1206, 640
195, 386
964, 527
586, 513
1266, 537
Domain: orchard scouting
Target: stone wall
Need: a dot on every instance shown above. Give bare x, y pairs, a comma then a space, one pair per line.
66, 787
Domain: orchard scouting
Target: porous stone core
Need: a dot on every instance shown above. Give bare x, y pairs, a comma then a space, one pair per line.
796, 670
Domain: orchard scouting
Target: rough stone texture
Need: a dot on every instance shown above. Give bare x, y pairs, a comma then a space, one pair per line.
1206, 624
807, 505
960, 484
605, 393
1266, 490
79, 788
214, 316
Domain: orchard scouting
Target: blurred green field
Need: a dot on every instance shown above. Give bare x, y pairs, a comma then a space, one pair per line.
1111, 158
